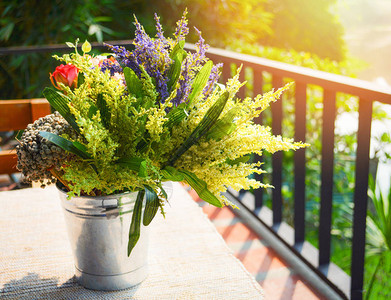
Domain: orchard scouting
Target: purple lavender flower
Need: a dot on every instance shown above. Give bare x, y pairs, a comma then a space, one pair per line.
184, 86
199, 57
154, 56
159, 29
213, 78
112, 65
125, 58
192, 64
181, 28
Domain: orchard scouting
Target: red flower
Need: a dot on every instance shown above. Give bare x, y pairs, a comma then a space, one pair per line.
66, 74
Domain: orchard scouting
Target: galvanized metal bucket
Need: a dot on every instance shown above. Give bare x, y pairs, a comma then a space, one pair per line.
98, 229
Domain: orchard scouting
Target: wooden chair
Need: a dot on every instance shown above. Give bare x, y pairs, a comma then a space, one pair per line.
16, 115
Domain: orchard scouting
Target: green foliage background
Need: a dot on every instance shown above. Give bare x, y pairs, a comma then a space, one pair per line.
269, 22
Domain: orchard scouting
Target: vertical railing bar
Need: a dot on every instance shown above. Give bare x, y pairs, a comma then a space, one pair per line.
258, 89
299, 162
226, 73
327, 172
360, 198
276, 109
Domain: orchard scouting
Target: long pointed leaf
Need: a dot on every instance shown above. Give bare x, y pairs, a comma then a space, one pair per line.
92, 111
201, 188
203, 127
170, 173
142, 172
175, 69
134, 163
177, 48
200, 81
73, 147
151, 205
175, 116
60, 103
223, 126
104, 110
134, 231
80, 79
133, 83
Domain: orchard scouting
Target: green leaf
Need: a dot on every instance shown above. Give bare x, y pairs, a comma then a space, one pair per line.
6, 31
133, 83
203, 127
143, 169
104, 110
92, 111
175, 69
134, 231
163, 191
224, 126
201, 188
170, 173
70, 45
80, 78
60, 103
151, 205
177, 48
136, 164
142, 145
73, 147
19, 135
200, 82
175, 116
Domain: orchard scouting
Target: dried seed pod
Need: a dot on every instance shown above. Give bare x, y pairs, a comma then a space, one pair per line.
36, 155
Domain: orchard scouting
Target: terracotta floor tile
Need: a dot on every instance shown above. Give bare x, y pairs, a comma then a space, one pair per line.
288, 287
218, 213
236, 233
260, 260
275, 277
194, 195
247, 245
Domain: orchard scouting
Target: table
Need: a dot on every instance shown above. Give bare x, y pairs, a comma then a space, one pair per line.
188, 259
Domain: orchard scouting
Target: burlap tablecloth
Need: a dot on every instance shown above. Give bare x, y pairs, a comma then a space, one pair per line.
188, 259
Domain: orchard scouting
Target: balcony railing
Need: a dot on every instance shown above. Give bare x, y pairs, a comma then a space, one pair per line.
331, 84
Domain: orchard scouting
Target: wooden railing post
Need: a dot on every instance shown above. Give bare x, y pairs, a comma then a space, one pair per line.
16, 115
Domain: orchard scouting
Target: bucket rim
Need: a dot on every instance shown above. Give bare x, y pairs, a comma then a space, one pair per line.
95, 198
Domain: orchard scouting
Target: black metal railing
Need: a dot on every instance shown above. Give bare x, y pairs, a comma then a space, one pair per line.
331, 84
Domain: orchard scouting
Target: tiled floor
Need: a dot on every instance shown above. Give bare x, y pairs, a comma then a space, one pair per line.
272, 273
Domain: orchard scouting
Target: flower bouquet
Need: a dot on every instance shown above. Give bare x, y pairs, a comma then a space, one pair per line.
128, 121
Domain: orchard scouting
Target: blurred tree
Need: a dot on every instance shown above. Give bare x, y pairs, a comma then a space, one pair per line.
220, 21
33, 22
306, 25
